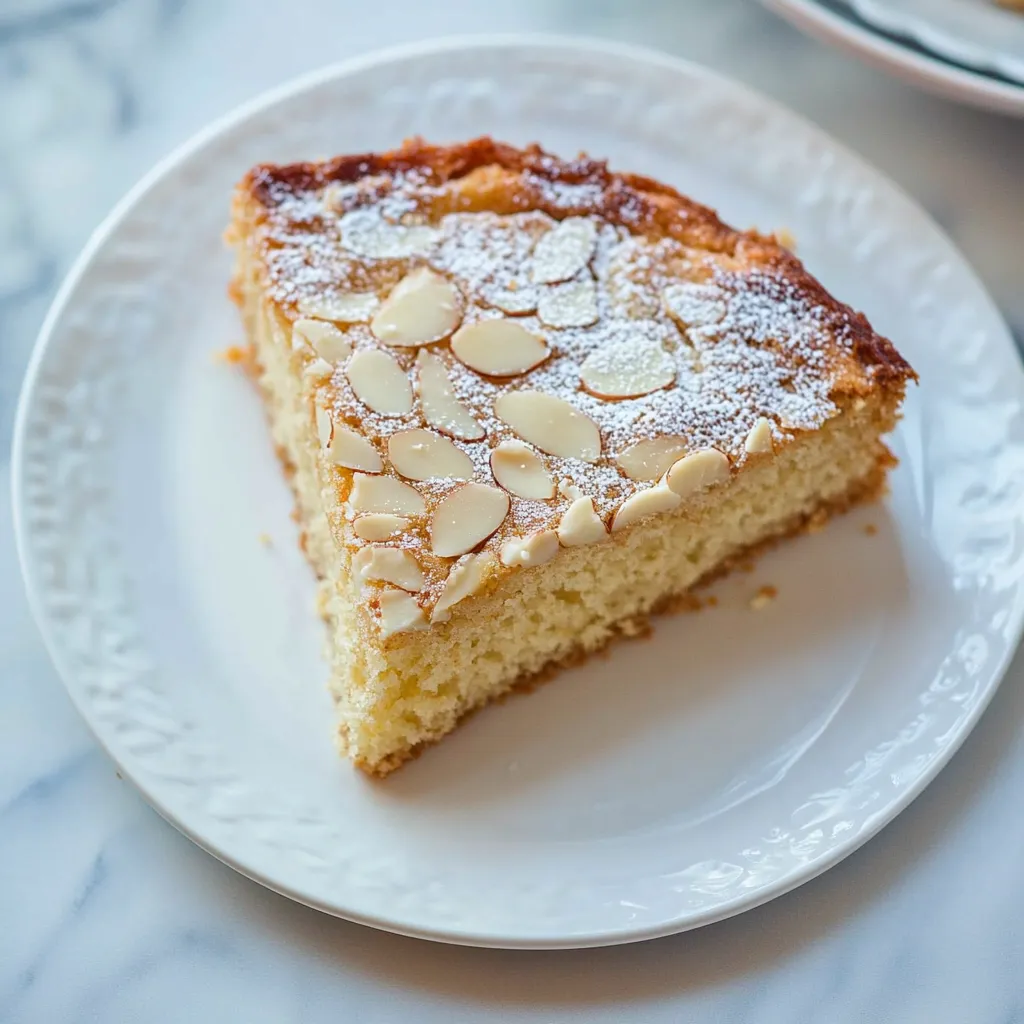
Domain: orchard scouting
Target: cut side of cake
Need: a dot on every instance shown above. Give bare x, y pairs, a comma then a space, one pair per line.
526, 402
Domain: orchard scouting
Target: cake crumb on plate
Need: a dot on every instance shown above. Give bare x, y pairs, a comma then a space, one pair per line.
764, 597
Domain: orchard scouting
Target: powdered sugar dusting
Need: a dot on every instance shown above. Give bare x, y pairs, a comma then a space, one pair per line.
737, 344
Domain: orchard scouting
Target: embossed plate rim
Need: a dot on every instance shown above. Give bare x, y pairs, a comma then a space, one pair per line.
391, 919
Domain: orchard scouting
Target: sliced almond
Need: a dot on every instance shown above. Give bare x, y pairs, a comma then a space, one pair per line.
326, 340
698, 471
318, 368
521, 471
693, 304
564, 251
567, 489
580, 524
515, 301
378, 526
759, 440
324, 426
341, 307
645, 503
379, 382
388, 565
422, 308
467, 517
651, 459
628, 369
536, 549
786, 238
573, 304
498, 348
441, 408
385, 494
366, 233
333, 196
550, 423
424, 455
465, 579
353, 451
399, 613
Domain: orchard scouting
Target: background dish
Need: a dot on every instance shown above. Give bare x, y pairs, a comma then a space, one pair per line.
973, 32
200, 687
834, 22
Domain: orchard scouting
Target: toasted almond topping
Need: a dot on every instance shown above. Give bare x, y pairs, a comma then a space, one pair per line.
352, 450
573, 304
515, 301
424, 455
697, 472
378, 526
550, 423
564, 251
694, 305
467, 517
629, 370
567, 489
333, 197
422, 308
329, 343
318, 368
498, 348
580, 524
341, 307
385, 494
760, 438
379, 382
521, 471
441, 408
399, 613
388, 565
536, 549
649, 460
465, 579
324, 427
365, 233
645, 503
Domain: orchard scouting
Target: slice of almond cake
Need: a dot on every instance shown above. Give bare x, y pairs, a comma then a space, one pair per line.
525, 402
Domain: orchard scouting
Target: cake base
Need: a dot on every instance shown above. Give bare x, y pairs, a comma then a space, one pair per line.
640, 627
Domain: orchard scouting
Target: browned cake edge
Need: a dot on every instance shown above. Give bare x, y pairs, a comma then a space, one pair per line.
640, 204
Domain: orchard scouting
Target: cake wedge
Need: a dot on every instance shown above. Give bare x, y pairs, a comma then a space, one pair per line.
526, 402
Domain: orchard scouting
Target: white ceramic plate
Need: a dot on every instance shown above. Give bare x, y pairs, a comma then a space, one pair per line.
972, 32
724, 761
832, 22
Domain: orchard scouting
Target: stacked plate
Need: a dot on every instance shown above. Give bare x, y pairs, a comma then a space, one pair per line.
967, 50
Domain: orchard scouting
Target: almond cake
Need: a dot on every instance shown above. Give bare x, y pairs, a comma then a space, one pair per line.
525, 402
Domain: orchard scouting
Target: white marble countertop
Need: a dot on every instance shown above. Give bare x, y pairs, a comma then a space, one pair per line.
107, 914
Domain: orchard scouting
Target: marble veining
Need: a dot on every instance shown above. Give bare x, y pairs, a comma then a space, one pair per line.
108, 914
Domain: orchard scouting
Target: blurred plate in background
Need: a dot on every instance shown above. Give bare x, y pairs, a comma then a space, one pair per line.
976, 33
835, 22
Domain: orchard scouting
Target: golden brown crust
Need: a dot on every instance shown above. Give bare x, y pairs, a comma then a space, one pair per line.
638, 203
786, 351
